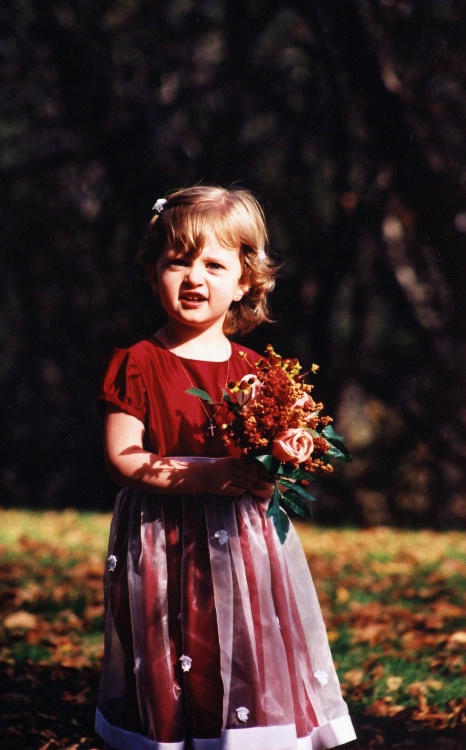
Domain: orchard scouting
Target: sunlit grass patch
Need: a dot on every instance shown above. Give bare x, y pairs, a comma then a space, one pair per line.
395, 604
51, 586
68, 529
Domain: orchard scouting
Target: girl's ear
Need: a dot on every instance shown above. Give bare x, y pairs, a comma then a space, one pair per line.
242, 290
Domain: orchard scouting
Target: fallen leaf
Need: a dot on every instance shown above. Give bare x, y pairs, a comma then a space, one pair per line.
393, 683
78, 699
383, 707
342, 595
21, 620
422, 687
355, 676
459, 637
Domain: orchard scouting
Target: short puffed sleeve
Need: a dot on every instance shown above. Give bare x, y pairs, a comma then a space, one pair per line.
122, 385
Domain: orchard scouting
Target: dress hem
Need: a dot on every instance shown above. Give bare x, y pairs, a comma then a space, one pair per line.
334, 733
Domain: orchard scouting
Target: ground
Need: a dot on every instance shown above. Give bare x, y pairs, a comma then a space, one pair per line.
393, 601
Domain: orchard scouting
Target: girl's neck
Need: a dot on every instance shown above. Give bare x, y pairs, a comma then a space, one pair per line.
210, 346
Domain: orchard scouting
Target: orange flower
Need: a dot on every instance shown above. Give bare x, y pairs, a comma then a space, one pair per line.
247, 390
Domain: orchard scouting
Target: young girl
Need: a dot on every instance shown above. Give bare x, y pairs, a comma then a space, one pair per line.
214, 637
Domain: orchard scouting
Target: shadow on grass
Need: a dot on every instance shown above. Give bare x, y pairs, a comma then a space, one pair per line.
47, 707
51, 707
401, 733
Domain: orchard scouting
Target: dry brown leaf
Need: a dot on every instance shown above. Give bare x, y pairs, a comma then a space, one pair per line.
21, 620
459, 638
355, 677
383, 707
342, 595
371, 634
393, 683
423, 687
78, 698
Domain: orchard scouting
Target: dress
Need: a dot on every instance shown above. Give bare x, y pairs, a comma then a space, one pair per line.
214, 636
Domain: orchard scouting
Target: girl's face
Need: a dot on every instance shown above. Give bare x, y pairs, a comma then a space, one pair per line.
197, 291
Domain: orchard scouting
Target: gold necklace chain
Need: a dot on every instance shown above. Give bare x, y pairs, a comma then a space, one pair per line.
211, 426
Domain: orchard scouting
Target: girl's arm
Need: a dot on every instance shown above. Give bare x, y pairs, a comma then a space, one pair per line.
130, 465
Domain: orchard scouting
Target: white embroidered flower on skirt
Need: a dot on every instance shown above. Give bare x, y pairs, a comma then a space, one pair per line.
112, 561
243, 713
321, 677
186, 662
222, 536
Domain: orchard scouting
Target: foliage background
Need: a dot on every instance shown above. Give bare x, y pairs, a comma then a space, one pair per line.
348, 120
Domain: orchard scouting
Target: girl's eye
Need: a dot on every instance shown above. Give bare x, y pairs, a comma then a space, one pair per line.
215, 266
178, 262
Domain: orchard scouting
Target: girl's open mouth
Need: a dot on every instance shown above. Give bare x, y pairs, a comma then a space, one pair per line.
192, 299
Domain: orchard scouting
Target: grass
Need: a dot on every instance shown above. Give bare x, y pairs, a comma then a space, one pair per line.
395, 606
394, 603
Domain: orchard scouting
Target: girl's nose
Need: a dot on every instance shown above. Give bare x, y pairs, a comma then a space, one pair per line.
194, 274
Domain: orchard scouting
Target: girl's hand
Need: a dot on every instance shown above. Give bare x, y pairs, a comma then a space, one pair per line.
131, 465
233, 476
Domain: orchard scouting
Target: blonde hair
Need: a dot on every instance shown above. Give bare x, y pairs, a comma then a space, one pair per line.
236, 219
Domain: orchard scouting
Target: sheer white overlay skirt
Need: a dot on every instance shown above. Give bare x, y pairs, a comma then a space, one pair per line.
214, 635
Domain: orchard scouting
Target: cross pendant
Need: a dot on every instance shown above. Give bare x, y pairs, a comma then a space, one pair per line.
211, 428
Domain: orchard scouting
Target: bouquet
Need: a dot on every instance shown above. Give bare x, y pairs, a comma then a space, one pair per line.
274, 419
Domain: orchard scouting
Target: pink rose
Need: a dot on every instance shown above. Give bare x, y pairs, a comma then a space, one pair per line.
293, 446
249, 388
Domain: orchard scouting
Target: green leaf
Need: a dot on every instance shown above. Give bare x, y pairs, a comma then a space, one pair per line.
298, 490
274, 504
270, 463
200, 394
338, 449
227, 397
341, 452
282, 524
329, 433
296, 504
301, 474
295, 497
